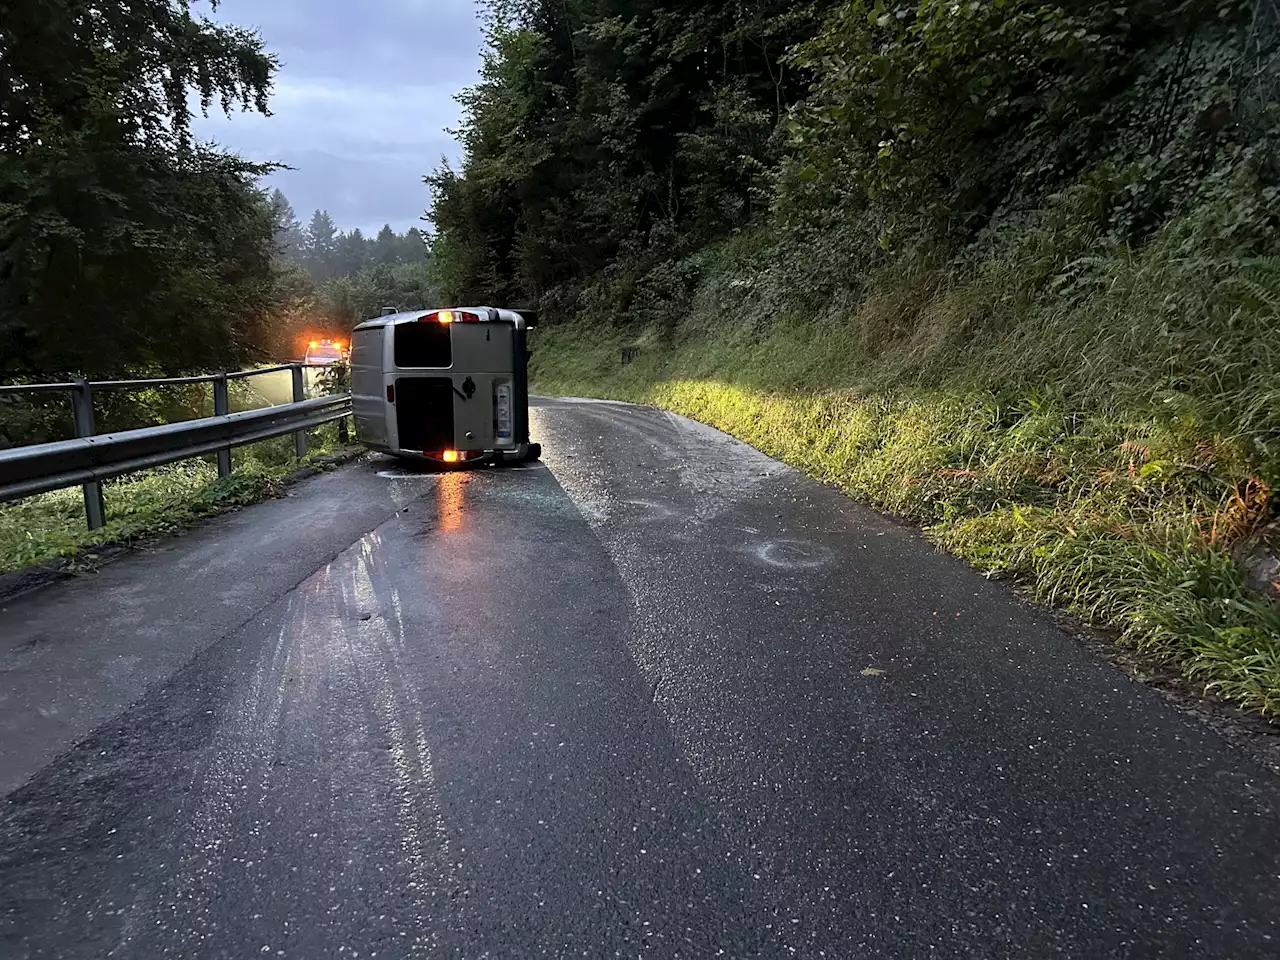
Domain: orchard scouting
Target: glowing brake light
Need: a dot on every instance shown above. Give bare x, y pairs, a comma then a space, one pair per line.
450, 456
450, 316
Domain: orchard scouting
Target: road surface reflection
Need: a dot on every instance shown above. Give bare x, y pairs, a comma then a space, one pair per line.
451, 502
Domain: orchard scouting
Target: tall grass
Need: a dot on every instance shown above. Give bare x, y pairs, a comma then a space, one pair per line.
1098, 423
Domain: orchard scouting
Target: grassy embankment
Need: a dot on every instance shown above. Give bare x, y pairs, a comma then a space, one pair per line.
155, 503
1104, 429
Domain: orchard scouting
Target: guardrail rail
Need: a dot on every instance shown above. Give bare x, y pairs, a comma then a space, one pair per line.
91, 457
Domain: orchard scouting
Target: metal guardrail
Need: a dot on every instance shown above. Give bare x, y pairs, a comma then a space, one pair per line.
91, 457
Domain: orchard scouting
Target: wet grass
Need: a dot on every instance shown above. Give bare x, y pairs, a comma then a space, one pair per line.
150, 504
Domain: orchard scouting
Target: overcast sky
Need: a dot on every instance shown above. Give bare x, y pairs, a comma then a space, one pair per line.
362, 99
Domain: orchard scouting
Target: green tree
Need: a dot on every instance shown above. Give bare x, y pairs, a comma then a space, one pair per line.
605, 137
325, 293
321, 250
608, 141
386, 246
413, 247
124, 243
290, 238
353, 253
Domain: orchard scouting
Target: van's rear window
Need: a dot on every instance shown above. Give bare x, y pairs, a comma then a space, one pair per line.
424, 345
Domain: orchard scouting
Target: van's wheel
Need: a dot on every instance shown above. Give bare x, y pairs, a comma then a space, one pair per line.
534, 453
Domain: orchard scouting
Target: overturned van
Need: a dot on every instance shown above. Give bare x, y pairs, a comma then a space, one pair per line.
446, 385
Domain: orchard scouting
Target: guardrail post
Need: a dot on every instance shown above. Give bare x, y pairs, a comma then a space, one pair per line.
82, 416
299, 394
344, 437
221, 407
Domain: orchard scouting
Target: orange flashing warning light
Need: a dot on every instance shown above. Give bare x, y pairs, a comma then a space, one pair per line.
313, 344
445, 316
450, 456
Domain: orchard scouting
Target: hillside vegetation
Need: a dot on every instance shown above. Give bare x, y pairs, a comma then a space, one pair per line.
130, 248
116, 225
127, 245
1009, 269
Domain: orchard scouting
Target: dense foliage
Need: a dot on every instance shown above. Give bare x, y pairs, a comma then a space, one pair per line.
606, 141
329, 280
327, 252
124, 243
607, 135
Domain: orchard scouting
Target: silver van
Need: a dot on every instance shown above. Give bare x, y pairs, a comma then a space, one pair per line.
448, 385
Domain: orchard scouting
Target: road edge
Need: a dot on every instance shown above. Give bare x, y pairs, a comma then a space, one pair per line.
1244, 729
19, 583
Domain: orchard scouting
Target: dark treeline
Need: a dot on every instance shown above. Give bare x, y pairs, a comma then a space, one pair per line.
607, 144
326, 252
608, 136
126, 245
608, 141
328, 279
124, 242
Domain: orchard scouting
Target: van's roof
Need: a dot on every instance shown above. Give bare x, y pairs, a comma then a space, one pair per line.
491, 314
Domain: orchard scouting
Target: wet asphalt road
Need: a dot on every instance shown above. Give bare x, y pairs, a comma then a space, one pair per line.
662, 697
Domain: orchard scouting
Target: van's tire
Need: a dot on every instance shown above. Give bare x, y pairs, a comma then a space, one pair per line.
534, 453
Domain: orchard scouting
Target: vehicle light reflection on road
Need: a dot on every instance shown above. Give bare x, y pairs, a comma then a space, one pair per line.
451, 502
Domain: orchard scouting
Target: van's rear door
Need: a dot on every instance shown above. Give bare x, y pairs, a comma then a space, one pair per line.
483, 355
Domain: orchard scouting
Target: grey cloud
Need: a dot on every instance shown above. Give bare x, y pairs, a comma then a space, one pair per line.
361, 102
407, 39
364, 195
